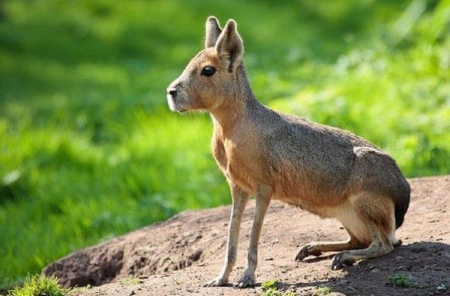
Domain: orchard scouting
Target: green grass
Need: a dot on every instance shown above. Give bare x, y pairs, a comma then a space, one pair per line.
269, 288
402, 281
89, 151
39, 285
323, 291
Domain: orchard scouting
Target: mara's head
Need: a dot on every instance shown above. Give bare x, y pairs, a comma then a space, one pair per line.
213, 76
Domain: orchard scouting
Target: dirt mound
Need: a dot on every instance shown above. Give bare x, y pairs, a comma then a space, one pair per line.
177, 256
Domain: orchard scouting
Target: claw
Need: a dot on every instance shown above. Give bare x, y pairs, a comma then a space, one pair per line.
217, 282
336, 264
339, 261
307, 250
302, 254
246, 282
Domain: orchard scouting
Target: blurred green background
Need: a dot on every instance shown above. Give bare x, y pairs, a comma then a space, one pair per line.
89, 150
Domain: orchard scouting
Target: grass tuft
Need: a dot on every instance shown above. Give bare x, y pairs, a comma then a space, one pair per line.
39, 285
270, 288
402, 281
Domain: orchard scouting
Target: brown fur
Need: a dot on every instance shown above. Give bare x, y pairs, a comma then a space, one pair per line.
263, 153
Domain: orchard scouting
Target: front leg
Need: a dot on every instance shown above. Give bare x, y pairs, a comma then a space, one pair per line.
240, 199
262, 204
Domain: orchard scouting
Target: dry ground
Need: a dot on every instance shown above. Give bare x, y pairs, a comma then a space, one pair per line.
177, 256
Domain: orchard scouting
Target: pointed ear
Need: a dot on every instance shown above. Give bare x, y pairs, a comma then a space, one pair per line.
229, 45
213, 31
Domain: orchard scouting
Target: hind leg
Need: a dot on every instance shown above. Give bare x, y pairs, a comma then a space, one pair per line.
317, 248
369, 221
355, 227
380, 246
377, 214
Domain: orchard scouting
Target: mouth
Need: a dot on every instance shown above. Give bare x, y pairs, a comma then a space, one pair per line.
173, 106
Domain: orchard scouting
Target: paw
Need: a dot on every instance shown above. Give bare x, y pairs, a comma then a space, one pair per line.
340, 260
307, 250
217, 282
247, 281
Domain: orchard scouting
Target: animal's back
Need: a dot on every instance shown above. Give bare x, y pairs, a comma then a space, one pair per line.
312, 165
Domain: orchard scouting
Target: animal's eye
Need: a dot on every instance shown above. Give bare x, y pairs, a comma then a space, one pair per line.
208, 71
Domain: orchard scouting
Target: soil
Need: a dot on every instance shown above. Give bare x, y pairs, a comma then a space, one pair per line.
177, 256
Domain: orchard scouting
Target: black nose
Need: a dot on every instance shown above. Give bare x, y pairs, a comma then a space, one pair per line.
172, 91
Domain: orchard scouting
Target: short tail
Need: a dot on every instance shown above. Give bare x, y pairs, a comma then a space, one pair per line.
402, 203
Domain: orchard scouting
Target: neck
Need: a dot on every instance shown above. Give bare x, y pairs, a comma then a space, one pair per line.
236, 105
